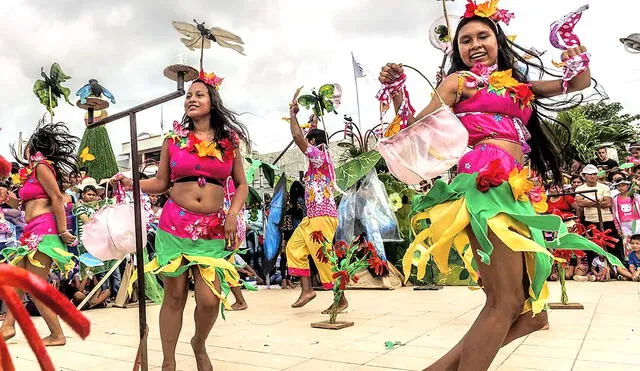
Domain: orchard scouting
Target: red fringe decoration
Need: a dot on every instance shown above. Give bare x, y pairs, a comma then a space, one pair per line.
5, 167
18, 278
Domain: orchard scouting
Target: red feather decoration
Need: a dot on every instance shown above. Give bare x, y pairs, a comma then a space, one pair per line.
5, 167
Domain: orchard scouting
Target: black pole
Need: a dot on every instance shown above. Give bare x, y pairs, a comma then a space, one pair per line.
137, 209
133, 133
283, 152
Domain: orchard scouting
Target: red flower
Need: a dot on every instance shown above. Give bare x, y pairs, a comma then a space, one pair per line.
355, 279
369, 247
340, 249
378, 265
192, 140
471, 9
522, 93
491, 175
317, 237
602, 238
568, 254
344, 278
321, 256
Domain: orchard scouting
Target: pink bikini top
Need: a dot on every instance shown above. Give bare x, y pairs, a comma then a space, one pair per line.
32, 189
487, 115
186, 165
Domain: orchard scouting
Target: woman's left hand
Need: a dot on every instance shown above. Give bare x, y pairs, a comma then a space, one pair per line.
572, 52
230, 232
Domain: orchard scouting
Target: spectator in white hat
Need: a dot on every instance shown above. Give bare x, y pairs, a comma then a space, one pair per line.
590, 207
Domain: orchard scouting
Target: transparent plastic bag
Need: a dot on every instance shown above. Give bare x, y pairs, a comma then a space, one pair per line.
367, 209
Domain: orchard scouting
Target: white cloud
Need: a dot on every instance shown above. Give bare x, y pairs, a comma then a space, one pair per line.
126, 45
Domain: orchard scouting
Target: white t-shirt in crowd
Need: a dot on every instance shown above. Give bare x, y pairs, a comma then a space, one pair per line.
591, 213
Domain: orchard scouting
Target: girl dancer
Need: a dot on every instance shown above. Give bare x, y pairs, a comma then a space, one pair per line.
195, 237
489, 207
51, 153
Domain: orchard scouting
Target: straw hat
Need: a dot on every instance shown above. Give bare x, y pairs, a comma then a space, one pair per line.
88, 182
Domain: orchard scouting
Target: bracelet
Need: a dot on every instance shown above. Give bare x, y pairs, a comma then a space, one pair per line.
60, 234
232, 214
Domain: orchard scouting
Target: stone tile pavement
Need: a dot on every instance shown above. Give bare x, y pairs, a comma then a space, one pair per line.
272, 336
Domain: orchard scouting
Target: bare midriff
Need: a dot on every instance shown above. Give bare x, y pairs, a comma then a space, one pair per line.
201, 200
37, 207
514, 149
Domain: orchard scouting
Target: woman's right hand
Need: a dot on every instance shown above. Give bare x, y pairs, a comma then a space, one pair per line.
390, 73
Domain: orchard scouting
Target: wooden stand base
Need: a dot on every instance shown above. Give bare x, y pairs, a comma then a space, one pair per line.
566, 306
332, 326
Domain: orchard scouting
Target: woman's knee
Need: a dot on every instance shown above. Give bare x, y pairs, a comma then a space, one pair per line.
208, 302
175, 297
508, 307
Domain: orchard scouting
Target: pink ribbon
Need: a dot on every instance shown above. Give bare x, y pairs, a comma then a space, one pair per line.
387, 91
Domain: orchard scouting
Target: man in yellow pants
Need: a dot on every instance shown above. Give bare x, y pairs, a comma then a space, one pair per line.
322, 214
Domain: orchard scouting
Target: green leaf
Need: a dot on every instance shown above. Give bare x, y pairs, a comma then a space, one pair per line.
464, 275
254, 196
326, 91
328, 106
626, 165
251, 170
353, 170
307, 101
56, 74
41, 91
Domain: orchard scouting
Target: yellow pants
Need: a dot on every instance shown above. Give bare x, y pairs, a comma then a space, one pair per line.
300, 246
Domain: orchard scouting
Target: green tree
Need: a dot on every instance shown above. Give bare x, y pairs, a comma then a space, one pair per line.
591, 125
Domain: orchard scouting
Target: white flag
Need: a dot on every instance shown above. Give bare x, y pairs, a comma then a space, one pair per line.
358, 71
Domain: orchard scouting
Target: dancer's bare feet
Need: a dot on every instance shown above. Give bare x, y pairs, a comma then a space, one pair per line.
51, 341
342, 305
202, 358
7, 332
291, 285
304, 298
239, 306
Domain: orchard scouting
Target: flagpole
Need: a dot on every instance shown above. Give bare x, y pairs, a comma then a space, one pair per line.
355, 78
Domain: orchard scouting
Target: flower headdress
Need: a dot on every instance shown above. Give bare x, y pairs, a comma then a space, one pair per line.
488, 9
210, 79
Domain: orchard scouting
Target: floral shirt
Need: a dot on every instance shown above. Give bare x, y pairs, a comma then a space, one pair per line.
318, 190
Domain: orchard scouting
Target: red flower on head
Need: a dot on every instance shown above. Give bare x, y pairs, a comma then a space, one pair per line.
344, 278
317, 237
471, 9
340, 249
378, 265
321, 256
491, 175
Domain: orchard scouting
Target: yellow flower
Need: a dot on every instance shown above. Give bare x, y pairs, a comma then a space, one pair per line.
502, 79
327, 193
208, 149
15, 178
312, 195
520, 184
396, 201
487, 9
541, 206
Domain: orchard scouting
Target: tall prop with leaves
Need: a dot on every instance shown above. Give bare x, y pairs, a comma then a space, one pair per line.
95, 151
50, 89
346, 261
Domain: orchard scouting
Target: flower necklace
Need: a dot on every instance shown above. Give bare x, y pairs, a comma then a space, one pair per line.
499, 83
221, 149
24, 172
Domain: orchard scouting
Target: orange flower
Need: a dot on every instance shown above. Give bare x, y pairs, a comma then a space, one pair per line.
520, 184
502, 79
487, 9
208, 149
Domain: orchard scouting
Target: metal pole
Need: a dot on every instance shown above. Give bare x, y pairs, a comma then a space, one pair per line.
133, 133
355, 78
137, 207
283, 152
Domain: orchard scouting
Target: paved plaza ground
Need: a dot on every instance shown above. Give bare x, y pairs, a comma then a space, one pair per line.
272, 336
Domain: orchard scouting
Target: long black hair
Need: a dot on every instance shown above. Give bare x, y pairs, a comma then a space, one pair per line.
546, 149
57, 145
222, 120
